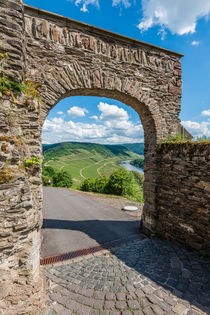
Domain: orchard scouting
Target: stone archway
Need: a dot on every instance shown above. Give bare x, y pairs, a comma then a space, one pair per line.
151, 131
59, 57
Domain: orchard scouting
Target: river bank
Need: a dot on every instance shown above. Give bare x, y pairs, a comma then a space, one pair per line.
126, 164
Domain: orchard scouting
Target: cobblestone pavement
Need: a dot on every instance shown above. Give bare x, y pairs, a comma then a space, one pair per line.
143, 277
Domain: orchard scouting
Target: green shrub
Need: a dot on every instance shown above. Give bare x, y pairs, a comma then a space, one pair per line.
62, 179
137, 193
88, 185
139, 178
121, 182
175, 138
101, 185
48, 171
45, 178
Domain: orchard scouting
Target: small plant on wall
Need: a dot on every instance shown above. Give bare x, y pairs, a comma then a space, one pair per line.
7, 86
175, 138
33, 162
3, 58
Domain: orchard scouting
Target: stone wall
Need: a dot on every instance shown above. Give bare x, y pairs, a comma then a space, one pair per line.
183, 195
11, 34
65, 58
22, 284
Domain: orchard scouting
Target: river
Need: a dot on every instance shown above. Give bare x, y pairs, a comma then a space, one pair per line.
126, 164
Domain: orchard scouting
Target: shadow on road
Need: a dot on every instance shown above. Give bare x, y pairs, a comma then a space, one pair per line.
174, 268
99, 230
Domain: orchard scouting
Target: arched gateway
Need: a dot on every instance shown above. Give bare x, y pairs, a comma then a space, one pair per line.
65, 58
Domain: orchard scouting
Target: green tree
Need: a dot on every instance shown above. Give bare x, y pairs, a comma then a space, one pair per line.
98, 185
121, 182
101, 184
88, 185
139, 178
48, 171
62, 179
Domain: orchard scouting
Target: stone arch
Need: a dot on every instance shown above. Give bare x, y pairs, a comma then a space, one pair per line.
138, 100
67, 58
130, 93
80, 81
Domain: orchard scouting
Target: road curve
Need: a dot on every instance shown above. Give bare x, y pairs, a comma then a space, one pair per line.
73, 221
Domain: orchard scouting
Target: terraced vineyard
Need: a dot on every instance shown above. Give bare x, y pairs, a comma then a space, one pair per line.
84, 160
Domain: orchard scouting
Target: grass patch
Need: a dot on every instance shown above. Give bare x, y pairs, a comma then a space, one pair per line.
7, 86
174, 143
175, 138
29, 88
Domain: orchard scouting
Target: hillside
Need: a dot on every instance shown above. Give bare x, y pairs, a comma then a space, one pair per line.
66, 148
84, 160
137, 148
69, 148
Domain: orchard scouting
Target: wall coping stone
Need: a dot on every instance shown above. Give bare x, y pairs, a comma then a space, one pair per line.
96, 30
191, 146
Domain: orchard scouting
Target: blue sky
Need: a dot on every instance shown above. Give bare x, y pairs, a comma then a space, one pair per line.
180, 25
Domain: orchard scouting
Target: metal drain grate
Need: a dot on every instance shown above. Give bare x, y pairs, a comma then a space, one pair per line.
82, 252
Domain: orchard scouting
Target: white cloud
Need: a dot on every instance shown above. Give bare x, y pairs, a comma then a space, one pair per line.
85, 3
195, 43
126, 3
76, 111
206, 112
112, 112
115, 139
60, 113
117, 121
53, 123
191, 124
94, 117
113, 126
179, 16
57, 128
197, 129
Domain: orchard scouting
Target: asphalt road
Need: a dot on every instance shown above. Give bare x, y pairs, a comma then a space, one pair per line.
74, 221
